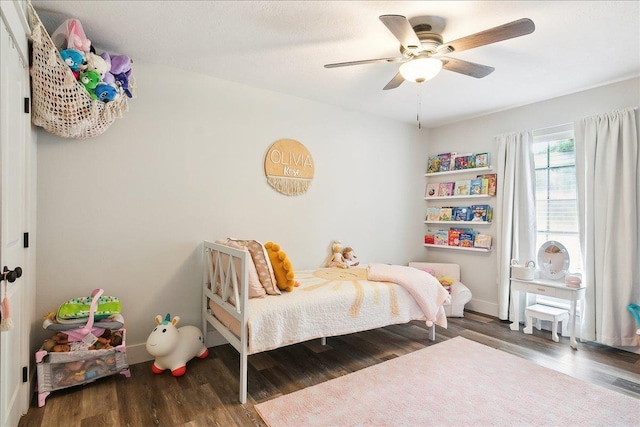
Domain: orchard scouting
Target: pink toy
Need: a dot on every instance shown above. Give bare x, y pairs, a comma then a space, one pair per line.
71, 32
173, 347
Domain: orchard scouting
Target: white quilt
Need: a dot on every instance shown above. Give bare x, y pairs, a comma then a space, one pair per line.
329, 302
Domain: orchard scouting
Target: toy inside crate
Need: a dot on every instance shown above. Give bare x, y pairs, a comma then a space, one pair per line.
80, 353
58, 370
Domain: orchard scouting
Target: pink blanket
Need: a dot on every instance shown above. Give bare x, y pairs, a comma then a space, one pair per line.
429, 294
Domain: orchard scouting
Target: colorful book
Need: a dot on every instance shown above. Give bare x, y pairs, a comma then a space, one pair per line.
466, 240
433, 214
445, 161
445, 214
461, 213
440, 237
485, 186
454, 237
446, 189
480, 212
460, 161
475, 186
432, 189
434, 164
492, 184
482, 241
462, 188
429, 238
482, 160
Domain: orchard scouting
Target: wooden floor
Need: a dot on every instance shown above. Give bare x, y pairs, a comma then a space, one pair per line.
207, 395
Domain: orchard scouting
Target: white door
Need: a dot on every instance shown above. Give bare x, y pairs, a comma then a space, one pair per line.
14, 130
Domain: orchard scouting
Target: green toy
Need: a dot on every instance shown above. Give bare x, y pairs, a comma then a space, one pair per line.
90, 80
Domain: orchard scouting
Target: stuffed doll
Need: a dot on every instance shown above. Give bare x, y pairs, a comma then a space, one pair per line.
349, 257
336, 259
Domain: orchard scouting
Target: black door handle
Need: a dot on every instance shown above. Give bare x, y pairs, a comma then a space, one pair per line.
11, 275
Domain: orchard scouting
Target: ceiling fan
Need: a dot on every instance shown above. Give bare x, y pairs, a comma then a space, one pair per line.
423, 52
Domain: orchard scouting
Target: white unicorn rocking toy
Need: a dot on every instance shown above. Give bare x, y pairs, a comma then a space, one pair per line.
174, 347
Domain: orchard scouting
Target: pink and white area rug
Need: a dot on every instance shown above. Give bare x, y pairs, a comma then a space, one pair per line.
454, 383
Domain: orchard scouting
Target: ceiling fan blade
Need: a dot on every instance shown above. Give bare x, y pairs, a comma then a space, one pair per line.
364, 61
513, 29
467, 68
401, 28
395, 82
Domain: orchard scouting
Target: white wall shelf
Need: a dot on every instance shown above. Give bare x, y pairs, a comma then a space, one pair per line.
459, 222
466, 196
484, 169
460, 248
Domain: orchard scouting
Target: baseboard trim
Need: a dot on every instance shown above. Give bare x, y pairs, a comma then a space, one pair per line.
484, 307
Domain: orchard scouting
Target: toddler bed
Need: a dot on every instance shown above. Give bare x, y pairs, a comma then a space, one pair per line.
327, 302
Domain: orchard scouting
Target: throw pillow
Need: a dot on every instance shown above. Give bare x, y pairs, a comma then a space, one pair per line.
256, 290
282, 267
263, 265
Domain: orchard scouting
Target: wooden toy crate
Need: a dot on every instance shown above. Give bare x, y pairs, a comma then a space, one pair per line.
58, 370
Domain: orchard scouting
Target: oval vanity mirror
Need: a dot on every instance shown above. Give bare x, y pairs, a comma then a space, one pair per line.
553, 260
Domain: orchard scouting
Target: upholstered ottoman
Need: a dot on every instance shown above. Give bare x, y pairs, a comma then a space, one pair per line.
460, 294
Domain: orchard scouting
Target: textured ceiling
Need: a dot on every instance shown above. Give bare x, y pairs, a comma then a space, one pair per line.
283, 45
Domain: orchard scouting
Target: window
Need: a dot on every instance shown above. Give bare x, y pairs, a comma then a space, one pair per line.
556, 192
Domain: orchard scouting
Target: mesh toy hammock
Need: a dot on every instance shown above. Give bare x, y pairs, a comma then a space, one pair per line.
61, 105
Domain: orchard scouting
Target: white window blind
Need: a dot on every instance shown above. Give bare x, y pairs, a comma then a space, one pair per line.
556, 192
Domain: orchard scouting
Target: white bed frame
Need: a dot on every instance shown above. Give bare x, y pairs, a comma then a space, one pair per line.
225, 281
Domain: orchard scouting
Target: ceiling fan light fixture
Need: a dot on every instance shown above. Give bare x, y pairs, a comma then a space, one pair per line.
420, 69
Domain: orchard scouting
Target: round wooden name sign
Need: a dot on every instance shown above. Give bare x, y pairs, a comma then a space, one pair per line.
288, 167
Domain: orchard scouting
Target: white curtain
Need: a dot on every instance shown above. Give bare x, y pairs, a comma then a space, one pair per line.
516, 234
607, 159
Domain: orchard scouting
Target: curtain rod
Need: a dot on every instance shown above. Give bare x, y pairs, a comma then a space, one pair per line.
560, 127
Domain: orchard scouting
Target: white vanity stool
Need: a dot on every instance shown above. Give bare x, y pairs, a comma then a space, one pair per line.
545, 312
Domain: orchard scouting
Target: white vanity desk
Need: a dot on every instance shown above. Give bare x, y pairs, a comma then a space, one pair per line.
552, 288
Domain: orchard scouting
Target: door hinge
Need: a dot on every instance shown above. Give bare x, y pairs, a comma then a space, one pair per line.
25, 374
27, 105
25, 240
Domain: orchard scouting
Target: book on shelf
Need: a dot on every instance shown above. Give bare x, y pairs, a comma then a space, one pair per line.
484, 189
467, 239
446, 189
445, 161
432, 190
445, 214
461, 213
482, 160
481, 213
440, 237
475, 186
464, 161
433, 165
429, 238
462, 188
482, 241
456, 233
492, 183
433, 214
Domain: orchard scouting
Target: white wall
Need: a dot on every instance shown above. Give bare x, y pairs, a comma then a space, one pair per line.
126, 211
477, 135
